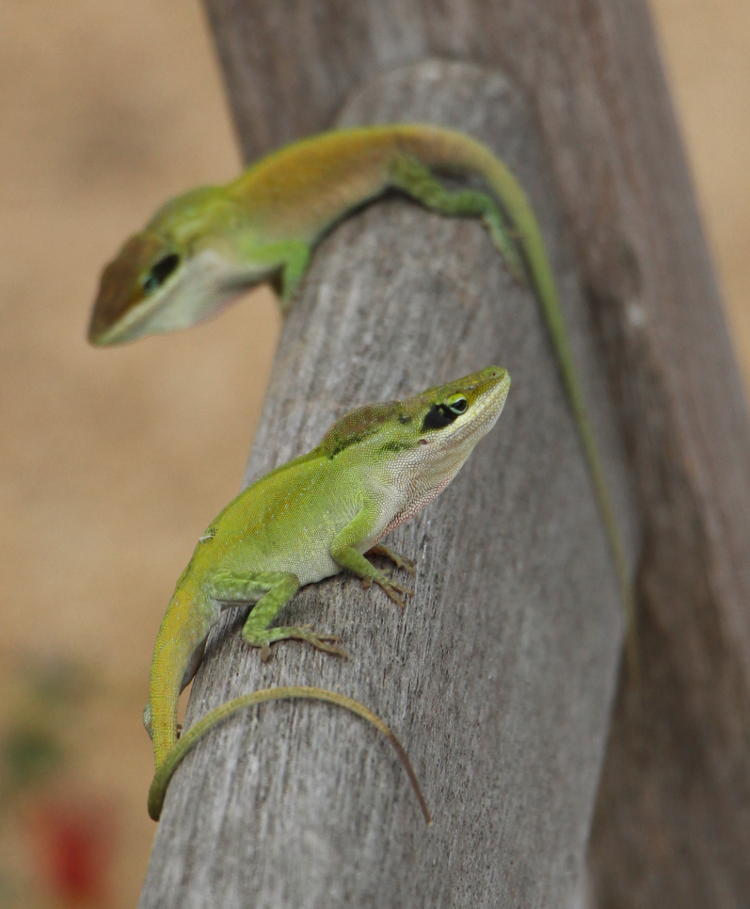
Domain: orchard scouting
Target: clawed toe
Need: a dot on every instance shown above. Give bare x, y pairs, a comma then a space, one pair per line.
325, 642
395, 592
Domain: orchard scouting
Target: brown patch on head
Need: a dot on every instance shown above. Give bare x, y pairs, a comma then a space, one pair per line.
119, 287
358, 425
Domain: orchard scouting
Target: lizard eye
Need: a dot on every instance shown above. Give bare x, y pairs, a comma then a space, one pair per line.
457, 405
160, 272
443, 414
438, 416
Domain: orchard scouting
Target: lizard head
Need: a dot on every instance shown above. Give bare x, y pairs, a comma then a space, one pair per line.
429, 435
170, 275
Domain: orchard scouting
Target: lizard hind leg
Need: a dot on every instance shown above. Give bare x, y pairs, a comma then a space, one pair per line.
417, 181
270, 591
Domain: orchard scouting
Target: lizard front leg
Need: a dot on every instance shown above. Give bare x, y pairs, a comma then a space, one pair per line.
270, 591
344, 552
296, 260
385, 552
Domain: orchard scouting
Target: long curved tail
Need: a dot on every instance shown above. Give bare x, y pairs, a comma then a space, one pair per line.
167, 767
177, 653
453, 152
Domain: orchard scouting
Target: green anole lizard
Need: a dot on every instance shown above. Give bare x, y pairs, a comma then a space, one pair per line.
311, 518
204, 247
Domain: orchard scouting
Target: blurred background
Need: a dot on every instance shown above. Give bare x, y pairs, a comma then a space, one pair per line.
113, 460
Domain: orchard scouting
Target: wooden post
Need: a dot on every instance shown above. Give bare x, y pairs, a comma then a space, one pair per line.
499, 674
672, 825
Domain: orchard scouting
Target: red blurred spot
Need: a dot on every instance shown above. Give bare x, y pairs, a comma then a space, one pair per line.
73, 842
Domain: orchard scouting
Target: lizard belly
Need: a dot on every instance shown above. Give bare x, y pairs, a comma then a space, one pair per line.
303, 552
312, 570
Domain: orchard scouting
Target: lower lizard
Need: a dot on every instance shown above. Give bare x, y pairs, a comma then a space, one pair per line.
311, 518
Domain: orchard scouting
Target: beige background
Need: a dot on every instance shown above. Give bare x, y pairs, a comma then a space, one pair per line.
112, 461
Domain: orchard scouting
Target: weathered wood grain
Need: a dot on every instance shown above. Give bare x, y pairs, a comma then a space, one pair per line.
673, 825
499, 675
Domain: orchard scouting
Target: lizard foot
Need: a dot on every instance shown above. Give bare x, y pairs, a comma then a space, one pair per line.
393, 590
324, 642
401, 562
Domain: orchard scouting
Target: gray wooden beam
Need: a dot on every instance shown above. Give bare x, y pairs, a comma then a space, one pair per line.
499, 675
673, 825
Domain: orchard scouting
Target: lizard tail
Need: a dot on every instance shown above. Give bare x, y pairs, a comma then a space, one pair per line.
450, 151
177, 653
167, 767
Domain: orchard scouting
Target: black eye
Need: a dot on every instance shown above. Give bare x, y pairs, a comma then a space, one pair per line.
438, 416
160, 272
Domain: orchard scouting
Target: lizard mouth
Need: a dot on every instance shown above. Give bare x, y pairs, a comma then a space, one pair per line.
489, 390
488, 405
120, 291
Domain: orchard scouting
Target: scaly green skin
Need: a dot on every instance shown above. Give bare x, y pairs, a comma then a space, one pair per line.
307, 520
202, 248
